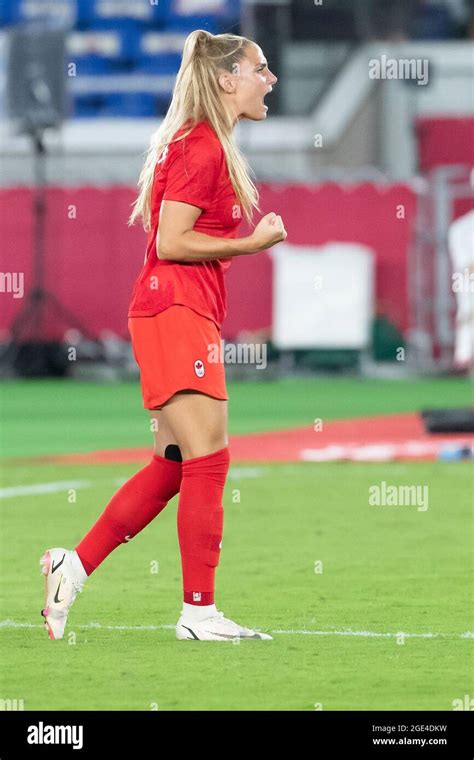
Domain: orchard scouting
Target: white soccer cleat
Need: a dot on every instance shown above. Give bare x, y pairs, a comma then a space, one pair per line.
62, 587
215, 628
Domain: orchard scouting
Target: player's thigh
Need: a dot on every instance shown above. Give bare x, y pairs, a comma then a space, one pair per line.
162, 433
198, 423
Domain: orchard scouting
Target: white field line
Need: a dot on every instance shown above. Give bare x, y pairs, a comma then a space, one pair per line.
41, 488
38, 488
277, 631
64, 485
246, 472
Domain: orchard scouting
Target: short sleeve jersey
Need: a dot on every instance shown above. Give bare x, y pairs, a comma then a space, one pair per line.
192, 170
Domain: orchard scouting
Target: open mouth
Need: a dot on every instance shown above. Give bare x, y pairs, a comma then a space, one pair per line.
264, 105
263, 99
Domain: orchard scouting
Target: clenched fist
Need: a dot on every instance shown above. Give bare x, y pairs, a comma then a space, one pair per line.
269, 231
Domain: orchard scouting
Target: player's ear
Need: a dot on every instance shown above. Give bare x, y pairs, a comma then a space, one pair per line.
227, 83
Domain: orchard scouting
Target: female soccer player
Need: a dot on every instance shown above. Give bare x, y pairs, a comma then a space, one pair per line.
194, 186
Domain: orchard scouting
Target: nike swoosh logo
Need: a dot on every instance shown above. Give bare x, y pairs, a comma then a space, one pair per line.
191, 632
57, 601
55, 567
223, 635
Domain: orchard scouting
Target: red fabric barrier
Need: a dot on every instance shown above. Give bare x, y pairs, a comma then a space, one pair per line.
443, 141
317, 214
92, 257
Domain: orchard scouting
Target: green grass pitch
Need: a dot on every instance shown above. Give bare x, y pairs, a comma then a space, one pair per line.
303, 553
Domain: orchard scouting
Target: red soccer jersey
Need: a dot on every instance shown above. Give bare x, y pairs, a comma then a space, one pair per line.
193, 171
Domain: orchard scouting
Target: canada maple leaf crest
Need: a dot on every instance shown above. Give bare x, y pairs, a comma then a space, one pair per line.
199, 368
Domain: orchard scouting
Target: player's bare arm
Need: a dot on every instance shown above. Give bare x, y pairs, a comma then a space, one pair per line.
178, 241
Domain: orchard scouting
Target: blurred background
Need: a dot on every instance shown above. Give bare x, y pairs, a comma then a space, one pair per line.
354, 344
367, 153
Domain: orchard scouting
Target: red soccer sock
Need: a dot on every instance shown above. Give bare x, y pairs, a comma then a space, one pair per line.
130, 510
200, 523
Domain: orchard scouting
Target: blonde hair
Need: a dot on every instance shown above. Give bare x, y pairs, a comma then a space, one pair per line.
196, 98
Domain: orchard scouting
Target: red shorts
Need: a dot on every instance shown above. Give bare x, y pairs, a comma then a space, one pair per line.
176, 350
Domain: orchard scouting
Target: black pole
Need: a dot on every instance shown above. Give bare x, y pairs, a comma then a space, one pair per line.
39, 228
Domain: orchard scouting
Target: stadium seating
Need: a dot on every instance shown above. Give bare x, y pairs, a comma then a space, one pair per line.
160, 52
5, 13
119, 13
57, 12
127, 53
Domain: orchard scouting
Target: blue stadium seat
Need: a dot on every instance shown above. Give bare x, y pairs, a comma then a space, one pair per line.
110, 13
116, 47
85, 12
88, 65
212, 15
131, 105
58, 12
188, 24
120, 105
5, 12
87, 106
161, 14
159, 64
160, 52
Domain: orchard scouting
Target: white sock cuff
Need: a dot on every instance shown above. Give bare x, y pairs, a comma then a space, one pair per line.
78, 567
197, 612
